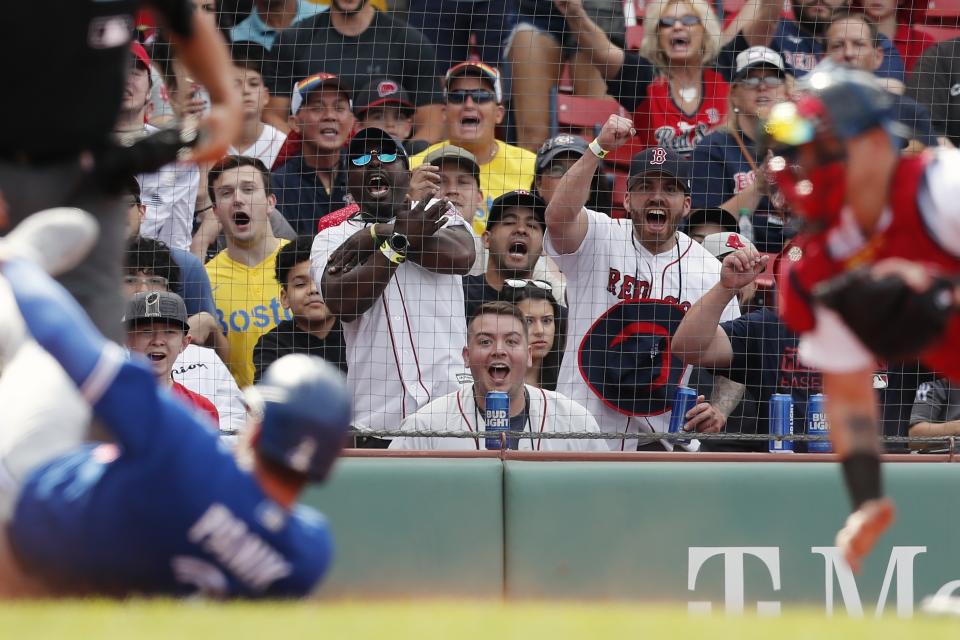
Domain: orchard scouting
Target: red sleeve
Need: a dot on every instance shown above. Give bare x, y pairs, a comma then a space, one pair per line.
199, 402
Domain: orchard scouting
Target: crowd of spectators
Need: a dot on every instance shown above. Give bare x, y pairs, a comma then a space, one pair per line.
402, 203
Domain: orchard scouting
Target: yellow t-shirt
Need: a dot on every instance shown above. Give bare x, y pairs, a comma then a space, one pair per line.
248, 306
511, 169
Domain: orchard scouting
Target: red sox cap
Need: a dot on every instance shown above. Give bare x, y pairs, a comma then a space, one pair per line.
659, 160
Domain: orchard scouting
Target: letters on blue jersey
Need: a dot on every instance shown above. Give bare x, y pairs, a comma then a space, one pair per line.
260, 316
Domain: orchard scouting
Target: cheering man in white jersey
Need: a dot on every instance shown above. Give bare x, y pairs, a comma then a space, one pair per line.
629, 282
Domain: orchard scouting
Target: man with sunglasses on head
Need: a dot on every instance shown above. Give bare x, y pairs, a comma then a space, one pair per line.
514, 240
391, 271
473, 107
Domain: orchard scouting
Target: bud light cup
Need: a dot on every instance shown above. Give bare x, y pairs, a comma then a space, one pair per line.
683, 400
496, 417
817, 425
781, 422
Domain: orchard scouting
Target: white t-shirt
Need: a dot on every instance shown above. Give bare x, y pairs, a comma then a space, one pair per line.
601, 270
550, 412
202, 371
170, 196
407, 349
265, 149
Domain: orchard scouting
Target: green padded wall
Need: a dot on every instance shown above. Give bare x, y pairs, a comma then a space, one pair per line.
414, 527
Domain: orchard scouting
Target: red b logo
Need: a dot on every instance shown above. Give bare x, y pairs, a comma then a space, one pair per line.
734, 242
659, 156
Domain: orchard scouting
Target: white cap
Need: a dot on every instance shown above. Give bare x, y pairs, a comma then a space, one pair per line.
720, 244
757, 57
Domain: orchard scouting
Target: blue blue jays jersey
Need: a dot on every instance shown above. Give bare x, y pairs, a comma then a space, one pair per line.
166, 510
801, 51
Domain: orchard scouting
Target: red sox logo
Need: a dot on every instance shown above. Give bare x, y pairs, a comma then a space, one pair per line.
734, 242
659, 156
387, 88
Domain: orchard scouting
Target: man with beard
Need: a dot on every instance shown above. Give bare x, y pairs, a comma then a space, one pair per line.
356, 42
629, 283
802, 42
391, 271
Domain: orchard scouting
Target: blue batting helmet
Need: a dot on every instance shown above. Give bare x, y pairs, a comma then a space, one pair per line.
305, 408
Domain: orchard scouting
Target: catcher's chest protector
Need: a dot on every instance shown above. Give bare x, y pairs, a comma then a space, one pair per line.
902, 234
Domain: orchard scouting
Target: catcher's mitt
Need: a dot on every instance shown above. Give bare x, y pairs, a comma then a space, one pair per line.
891, 319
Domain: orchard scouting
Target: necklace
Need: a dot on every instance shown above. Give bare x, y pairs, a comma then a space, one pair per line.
688, 94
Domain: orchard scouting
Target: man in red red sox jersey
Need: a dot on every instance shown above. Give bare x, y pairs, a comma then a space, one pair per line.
861, 203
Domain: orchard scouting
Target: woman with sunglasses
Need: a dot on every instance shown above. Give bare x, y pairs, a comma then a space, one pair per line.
725, 171
677, 86
546, 327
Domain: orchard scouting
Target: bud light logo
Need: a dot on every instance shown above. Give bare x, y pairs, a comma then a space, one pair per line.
497, 418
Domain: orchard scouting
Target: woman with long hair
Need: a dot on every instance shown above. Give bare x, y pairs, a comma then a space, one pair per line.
546, 328
725, 171
676, 88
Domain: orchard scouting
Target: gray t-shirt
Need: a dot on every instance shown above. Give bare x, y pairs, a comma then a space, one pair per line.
936, 402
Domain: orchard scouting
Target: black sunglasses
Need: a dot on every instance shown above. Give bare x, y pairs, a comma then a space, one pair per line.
688, 20
480, 96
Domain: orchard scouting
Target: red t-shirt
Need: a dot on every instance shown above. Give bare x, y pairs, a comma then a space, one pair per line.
661, 123
198, 401
911, 43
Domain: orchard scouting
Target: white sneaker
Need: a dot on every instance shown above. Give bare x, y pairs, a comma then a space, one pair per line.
56, 239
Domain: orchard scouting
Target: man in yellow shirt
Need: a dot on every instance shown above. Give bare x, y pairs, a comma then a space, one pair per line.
245, 289
473, 107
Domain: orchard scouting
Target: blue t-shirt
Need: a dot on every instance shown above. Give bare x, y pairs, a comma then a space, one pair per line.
194, 286
302, 198
765, 360
801, 51
254, 29
168, 512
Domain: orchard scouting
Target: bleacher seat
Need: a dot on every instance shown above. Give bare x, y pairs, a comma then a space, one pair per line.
579, 115
943, 11
939, 33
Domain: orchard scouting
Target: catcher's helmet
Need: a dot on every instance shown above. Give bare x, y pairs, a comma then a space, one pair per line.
305, 408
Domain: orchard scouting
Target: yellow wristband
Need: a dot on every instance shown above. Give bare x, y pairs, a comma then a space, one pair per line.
391, 255
373, 233
597, 150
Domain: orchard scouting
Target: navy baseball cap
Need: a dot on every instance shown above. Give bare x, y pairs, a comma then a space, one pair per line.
147, 306
713, 215
661, 161
563, 143
625, 357
378, 140
517, 199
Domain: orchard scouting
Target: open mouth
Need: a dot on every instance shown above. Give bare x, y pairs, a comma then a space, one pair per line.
679, 42
377, 186
156, 356
499, 372
470, 121
517, 249
241, 219
656, 219
329, 132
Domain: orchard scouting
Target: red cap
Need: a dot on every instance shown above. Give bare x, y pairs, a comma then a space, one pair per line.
140, 53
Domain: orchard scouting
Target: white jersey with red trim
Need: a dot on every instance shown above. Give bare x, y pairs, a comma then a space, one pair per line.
550, 412
608, 268
407, 349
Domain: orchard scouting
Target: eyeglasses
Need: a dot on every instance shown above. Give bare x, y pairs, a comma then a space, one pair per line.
521, 284
688, 20
364, 160
146, 281
771, 82
480, 96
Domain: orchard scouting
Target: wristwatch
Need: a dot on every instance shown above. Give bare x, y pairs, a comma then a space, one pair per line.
395, 248
597, 150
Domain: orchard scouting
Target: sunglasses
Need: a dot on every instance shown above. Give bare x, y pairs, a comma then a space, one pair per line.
364, 160
771, 82
520, 284
688, 20
480, 96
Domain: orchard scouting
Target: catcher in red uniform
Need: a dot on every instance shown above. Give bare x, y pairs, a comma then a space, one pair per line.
873, 271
